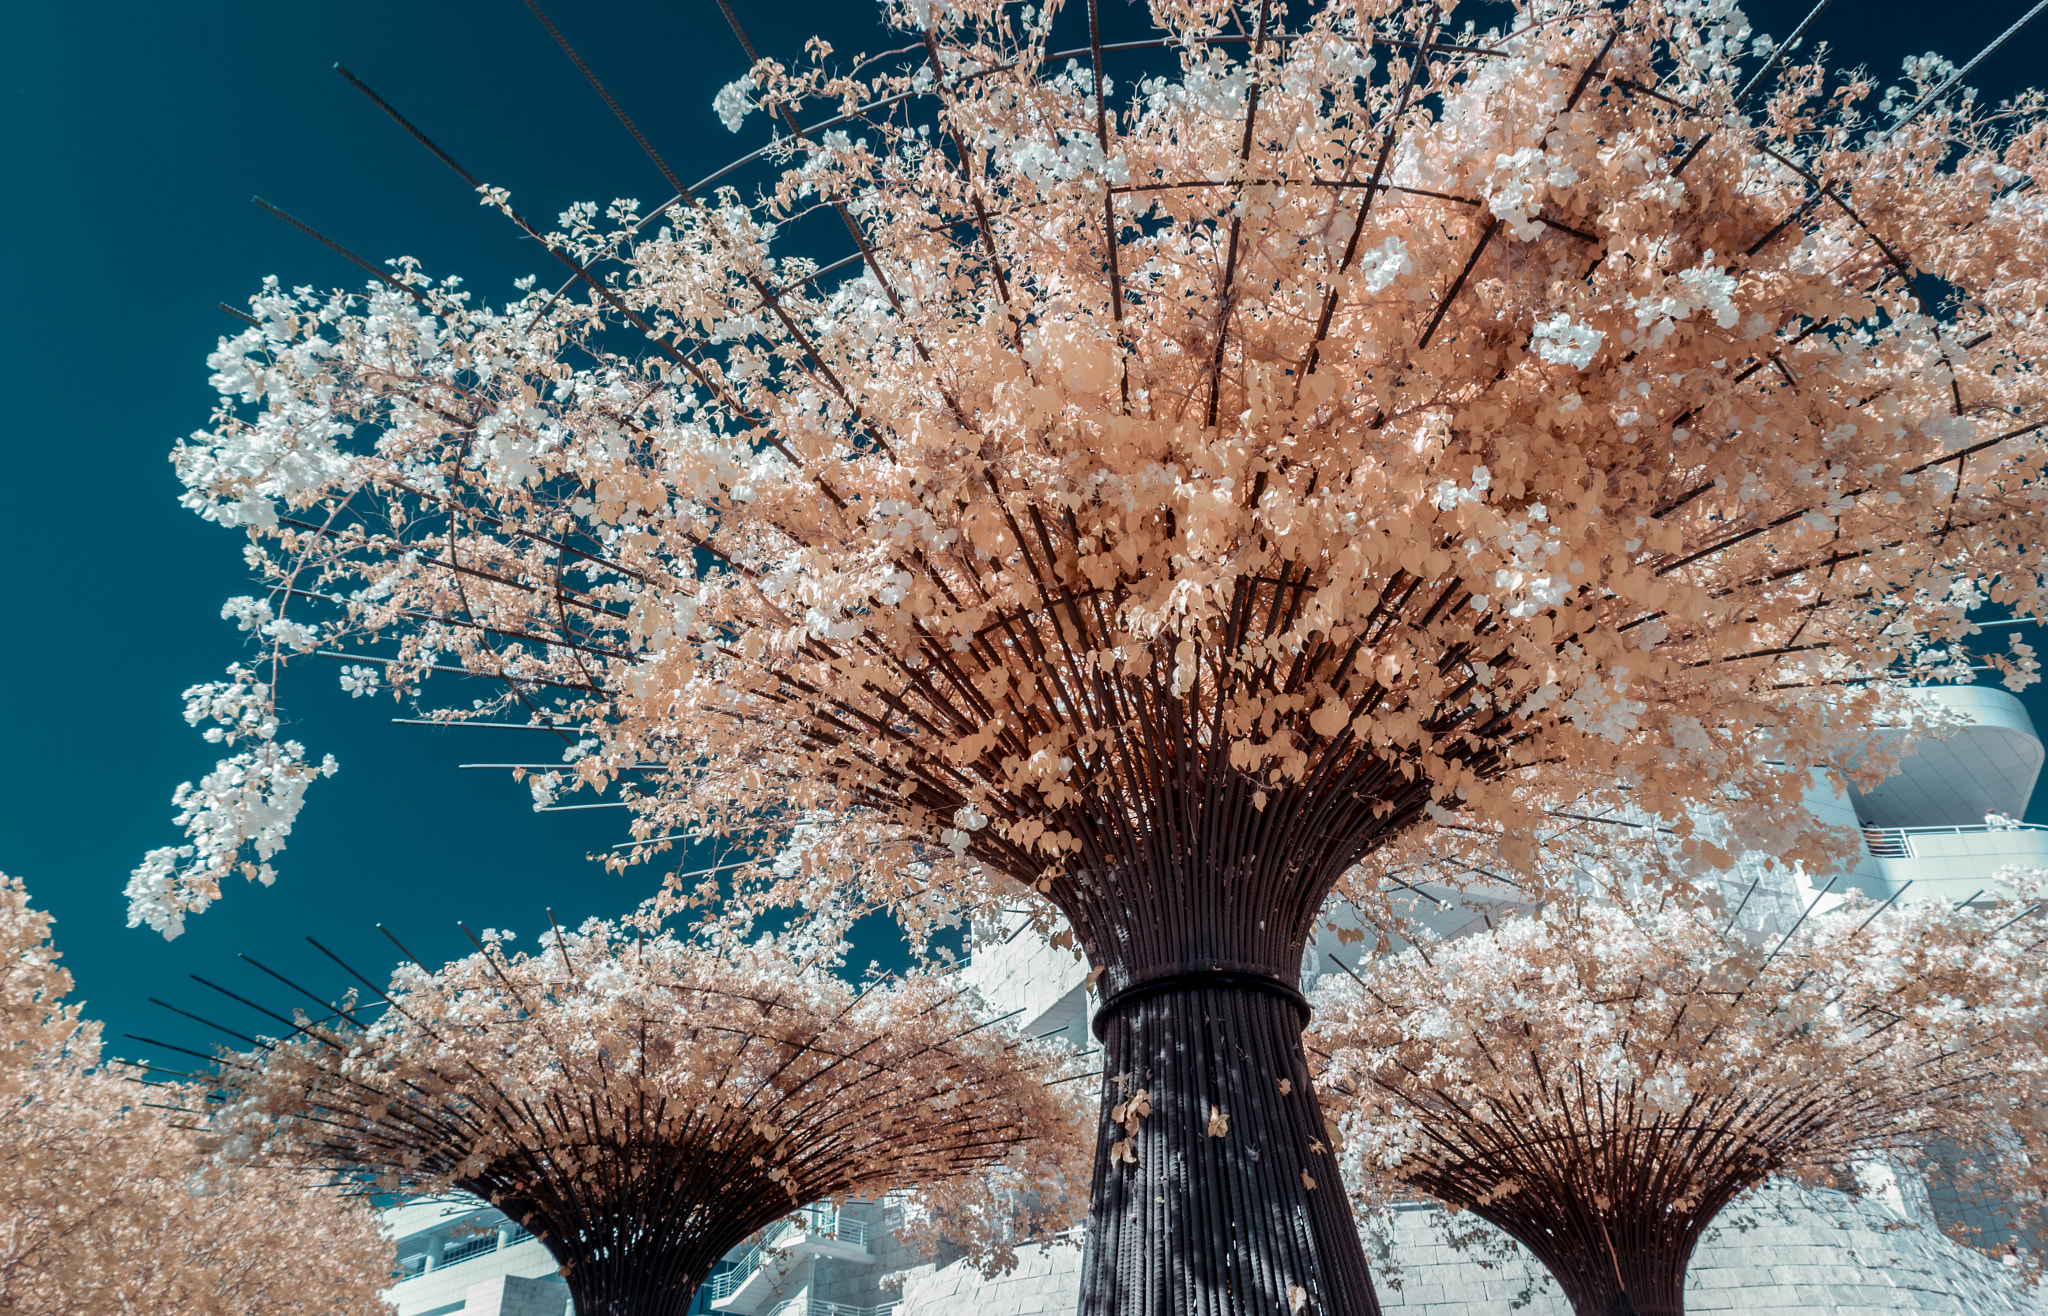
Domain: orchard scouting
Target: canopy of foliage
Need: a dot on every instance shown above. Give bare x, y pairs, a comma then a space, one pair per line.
108, 1205
1352, 428
643, 1104
1602, 1080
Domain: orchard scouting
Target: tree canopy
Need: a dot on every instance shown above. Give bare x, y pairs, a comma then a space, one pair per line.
1393, 433
1601, 1081
1353, 434
642, 1104
108, 1201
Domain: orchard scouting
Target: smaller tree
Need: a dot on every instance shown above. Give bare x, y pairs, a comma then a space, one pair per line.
107, 1203
1600, 1081
643, 1105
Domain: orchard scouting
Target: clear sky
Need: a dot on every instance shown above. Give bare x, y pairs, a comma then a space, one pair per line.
136, 135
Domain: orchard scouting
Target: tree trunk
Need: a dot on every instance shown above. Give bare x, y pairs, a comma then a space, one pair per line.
645, 1251
1646, 1295
637, 1285
1611, 1267
1252, 1221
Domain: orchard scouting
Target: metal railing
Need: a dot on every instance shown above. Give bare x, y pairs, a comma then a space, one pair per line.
726, 1283
464, 1249
1897, 842
811, 1222
831, 1222
818, 1307
412, 1267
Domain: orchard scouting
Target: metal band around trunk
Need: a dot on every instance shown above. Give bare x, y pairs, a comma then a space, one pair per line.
1195, 980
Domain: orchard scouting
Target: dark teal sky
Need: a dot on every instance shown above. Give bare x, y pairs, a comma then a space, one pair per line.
136, 134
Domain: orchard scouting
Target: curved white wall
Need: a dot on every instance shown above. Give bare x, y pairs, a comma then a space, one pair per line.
1987, 764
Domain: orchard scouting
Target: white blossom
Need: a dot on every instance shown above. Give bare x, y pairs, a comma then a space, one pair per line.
1561, 341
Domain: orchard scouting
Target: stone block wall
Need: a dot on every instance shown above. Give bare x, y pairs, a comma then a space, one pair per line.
1787, 1251
510, 1295
1046, 1282
1024, 972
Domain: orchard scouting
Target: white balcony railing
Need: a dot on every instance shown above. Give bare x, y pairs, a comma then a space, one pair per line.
811, 1222
463, 1249
1899, 842
816, 1307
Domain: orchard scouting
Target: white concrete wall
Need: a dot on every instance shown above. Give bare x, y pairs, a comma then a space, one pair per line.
445, 1288
508, 1295
1954, 867
1989, 758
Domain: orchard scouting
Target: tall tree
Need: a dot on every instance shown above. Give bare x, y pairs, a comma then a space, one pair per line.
1179, 497
108, 1203
644, 1104
1601, 1082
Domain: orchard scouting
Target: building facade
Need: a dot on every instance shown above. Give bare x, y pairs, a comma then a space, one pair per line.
459, 1255
1939, 829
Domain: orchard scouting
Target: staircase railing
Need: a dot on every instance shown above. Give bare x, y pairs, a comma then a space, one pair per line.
812, 1221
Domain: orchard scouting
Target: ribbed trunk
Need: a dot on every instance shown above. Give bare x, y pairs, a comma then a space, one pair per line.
1645, 1295
1252, 1221
1610, 1266
615, 1264
637, 1285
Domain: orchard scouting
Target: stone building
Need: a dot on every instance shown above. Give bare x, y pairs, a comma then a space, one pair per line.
1939, 829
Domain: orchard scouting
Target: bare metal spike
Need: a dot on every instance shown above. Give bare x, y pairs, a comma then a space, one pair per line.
246, 1001
313, 996
1742, 906
201, 1019
1954, 79
1800, 920
181, 1050
1881, 909
639, 138
554, 767
401, 947
336, 248
2016, 918
490, 726
456, 671
1778, 57
678, 836
347, 969
561, 942
406, 124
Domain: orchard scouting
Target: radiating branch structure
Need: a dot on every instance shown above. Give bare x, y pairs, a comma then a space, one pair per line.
1351, 439
1602, 1083
643, 1105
